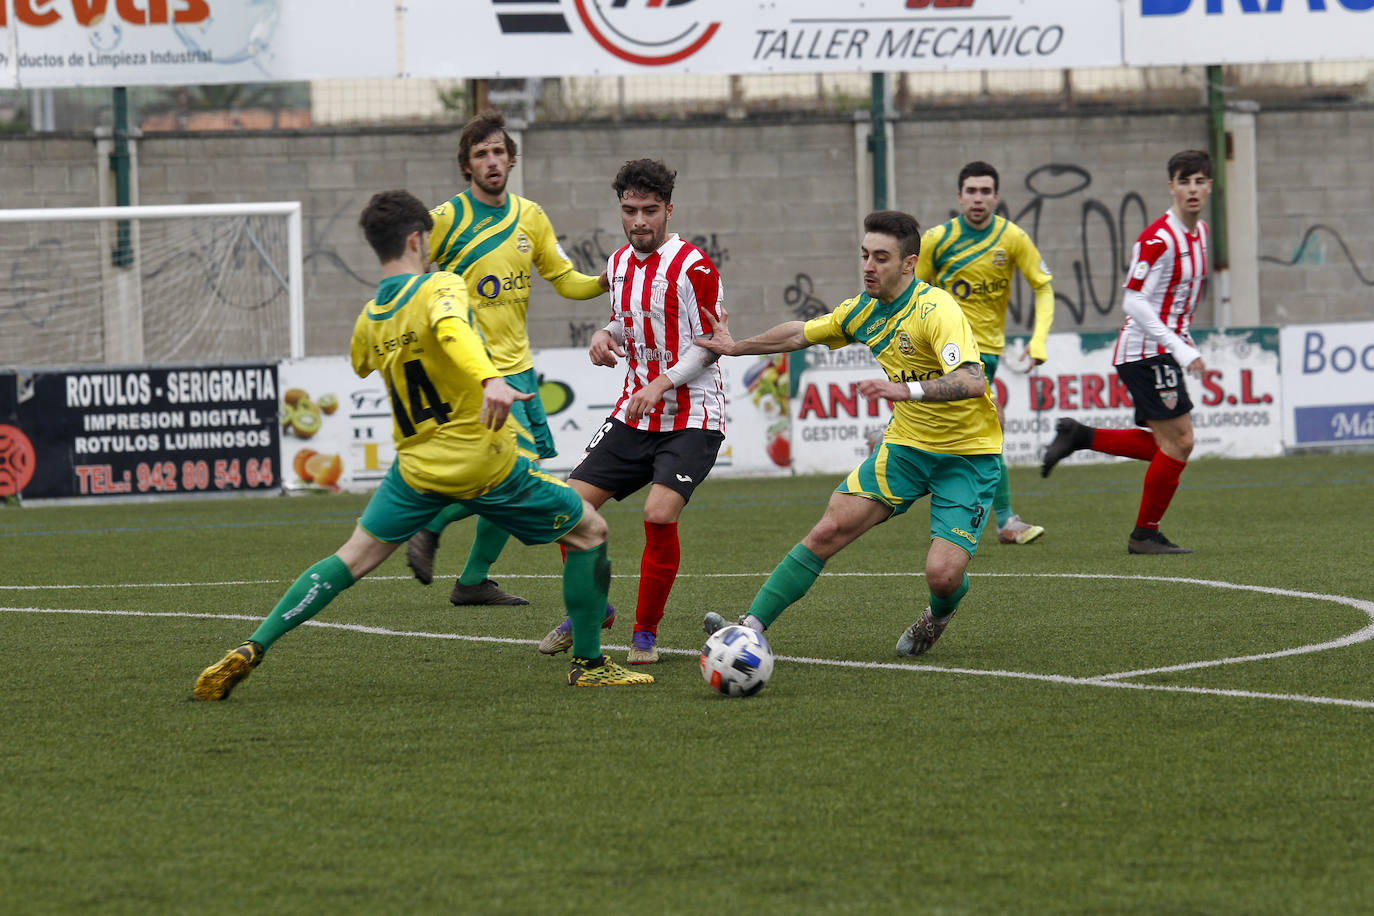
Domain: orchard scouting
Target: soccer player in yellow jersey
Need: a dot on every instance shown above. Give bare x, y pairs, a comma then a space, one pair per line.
973, 257
449, 407
492, 238
943, 439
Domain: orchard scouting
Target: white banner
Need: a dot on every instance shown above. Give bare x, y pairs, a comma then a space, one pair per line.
1194, 32
61, 43
1236, 406
520, 38
336, 427
1328, 384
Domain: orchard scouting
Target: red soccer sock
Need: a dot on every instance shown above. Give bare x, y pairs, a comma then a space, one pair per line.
1128, 443
657, 570
1161, 480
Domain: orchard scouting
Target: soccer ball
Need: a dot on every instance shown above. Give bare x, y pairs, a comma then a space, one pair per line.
736, 661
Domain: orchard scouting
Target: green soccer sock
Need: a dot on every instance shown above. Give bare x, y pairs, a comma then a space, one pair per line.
586, 580
306, 597
789, 581
447, 516
941, 608
1001, 500
487, 545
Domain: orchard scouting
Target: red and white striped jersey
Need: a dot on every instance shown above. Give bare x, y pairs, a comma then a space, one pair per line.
1168, 265
659, 300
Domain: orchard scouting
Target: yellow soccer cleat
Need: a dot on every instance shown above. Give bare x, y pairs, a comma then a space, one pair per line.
1016, 531
219, 679
582, 673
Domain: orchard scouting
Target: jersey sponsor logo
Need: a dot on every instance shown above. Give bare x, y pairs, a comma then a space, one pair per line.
701, 267
683, 477
972, 539
491, 286
905, 345
872, 328
649, 354
951, 354
963, 289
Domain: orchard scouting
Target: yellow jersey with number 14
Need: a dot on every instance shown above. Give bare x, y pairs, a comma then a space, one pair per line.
922, 334
435, 390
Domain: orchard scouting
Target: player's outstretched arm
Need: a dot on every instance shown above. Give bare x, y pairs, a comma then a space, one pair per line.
964, 382
782, 338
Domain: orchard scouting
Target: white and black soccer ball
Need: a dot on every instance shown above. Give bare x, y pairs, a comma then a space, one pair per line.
736, 661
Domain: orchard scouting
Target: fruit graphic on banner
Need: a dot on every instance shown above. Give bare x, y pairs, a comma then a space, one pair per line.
303, 417
768, 385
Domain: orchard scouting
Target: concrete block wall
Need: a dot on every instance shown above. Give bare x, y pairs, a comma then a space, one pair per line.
1316, 215
777, 204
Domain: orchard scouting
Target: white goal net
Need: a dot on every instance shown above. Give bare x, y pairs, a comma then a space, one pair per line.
151, 284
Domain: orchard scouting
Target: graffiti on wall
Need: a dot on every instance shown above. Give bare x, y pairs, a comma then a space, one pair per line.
1311, 251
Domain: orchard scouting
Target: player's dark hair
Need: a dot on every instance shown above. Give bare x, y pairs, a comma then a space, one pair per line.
979, 169
1189, 162
647, 176
389, 218
484, 125
901, 226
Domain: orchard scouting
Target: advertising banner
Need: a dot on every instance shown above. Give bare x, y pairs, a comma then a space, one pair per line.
336, 428
520, 38
138, 432
1194, 32
1236, 404
1328, 384
55, 43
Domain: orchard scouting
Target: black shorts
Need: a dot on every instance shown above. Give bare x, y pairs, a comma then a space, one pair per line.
1157, 388
623, 459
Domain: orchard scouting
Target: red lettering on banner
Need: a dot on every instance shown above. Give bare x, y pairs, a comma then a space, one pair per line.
91, 12
840, 398
25, 12
811, 404
1247, 384
1213, 393
1078, 392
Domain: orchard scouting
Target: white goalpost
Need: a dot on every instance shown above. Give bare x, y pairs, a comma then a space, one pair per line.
151, 284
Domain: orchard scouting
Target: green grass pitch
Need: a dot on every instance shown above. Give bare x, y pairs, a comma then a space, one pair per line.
1095, 733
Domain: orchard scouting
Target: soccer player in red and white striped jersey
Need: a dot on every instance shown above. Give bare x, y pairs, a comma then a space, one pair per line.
669, 421
1168, 265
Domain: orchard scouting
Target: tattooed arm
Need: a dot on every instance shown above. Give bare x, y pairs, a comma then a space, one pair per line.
964, 382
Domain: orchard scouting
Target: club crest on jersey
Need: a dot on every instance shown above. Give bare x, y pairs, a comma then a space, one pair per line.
905, 345
522, 243
1169, 398
951, 354
999, 257
1141, 270
658, 292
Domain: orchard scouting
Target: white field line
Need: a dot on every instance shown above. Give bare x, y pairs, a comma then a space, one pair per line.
1105, 680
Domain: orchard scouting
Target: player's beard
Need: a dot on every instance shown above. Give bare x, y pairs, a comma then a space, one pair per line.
495, 190
647, 243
